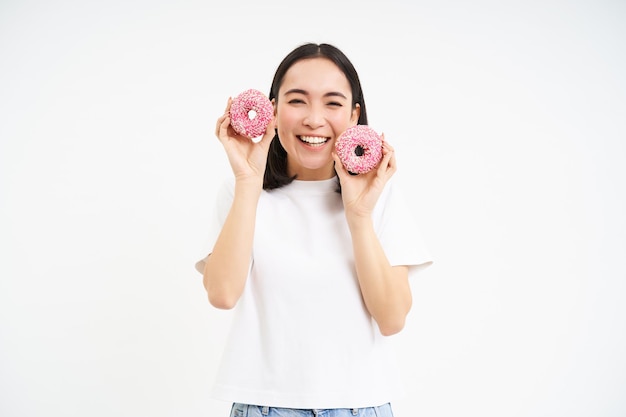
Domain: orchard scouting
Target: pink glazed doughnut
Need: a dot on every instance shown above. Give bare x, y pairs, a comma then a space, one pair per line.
250, 113
359, 148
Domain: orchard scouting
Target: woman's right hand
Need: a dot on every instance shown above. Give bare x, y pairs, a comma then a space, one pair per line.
247, 158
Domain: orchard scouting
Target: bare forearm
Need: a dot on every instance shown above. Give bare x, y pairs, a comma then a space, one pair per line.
385, 289
226, 268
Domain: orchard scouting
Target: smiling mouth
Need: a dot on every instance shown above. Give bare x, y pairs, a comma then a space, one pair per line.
314, 140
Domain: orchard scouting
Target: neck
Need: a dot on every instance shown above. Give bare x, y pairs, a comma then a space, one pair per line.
318, 174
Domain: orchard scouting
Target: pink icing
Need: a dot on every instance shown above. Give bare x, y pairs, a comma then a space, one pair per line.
364, 159
240, 109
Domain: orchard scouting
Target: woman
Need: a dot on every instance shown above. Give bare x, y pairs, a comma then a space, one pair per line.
315, 260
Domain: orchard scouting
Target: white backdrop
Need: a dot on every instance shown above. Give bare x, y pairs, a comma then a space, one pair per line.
509, 123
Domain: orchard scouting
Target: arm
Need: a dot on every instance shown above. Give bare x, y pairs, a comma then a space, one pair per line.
226, 269
385, 289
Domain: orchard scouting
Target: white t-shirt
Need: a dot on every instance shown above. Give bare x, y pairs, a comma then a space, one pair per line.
301, 336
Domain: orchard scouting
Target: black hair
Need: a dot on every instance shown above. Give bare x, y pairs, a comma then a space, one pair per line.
276, 174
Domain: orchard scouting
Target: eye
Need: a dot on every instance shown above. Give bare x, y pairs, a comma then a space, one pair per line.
335, 103
296, 101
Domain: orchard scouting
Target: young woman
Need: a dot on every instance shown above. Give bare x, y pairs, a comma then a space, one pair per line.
316, 261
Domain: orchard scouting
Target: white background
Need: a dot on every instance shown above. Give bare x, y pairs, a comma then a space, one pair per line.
509, 123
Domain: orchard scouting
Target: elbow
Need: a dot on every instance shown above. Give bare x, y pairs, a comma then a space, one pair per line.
391, 327
392, 321
222, 304
221, 301
220, 297
221, 286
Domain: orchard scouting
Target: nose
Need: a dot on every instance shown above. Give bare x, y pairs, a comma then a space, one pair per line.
315, 117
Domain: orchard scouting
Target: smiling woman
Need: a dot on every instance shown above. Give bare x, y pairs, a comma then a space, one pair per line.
287, 239
297, 65
313, 107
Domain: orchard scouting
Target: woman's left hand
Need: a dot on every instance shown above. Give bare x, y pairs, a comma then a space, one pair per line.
360, 192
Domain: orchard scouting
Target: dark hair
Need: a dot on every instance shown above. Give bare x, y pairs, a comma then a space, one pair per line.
276, 174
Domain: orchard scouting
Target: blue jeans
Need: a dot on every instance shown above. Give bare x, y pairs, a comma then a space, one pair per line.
244, 410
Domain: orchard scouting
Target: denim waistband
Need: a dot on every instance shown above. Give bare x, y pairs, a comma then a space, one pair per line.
247, 410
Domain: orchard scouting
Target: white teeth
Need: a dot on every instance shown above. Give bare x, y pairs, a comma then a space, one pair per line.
313, 140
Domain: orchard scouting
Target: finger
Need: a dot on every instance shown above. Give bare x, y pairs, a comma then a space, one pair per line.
228, 104
219, 122
223, 116
386, 145
222, 132
392, 166
392, 162
385, 163
269, 134
342, 172
232, 133
226, 114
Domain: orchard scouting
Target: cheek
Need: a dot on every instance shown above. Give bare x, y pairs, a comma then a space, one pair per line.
341, 119
286, 122
286, 117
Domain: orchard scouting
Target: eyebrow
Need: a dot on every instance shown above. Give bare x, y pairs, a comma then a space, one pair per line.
304, 92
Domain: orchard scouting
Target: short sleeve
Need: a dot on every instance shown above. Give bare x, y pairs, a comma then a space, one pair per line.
224, 200
398, 231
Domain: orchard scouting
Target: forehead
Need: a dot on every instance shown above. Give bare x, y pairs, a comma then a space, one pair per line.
316, 76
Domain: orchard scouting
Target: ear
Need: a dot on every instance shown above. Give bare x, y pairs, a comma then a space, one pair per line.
274, 105
356, 113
